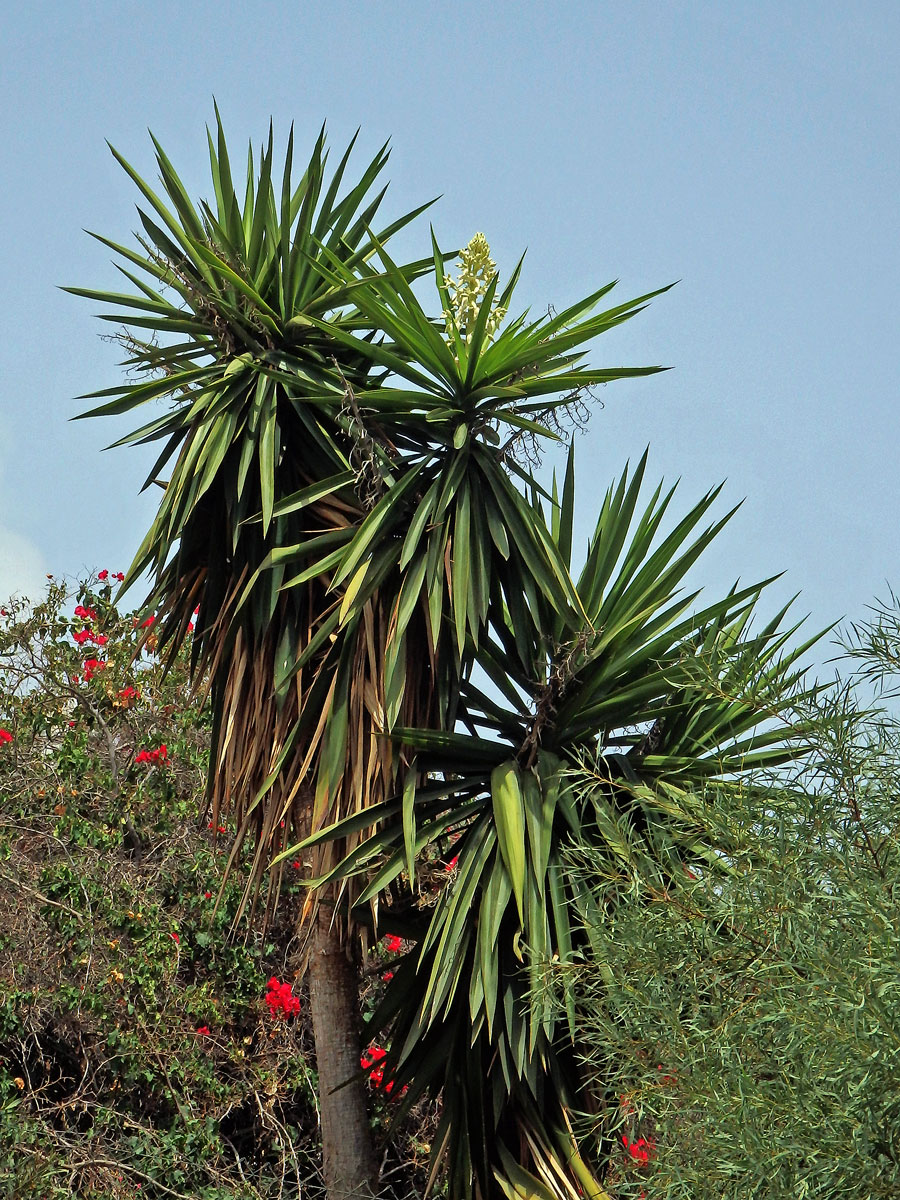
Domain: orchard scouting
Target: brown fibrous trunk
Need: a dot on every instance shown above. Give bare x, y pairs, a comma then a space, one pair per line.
348, 1154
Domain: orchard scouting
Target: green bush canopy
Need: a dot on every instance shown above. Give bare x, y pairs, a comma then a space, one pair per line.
743, 1027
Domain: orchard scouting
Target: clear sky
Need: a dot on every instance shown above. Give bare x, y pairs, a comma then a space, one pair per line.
748, 149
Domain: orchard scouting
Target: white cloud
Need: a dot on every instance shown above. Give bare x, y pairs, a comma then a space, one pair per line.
22, 569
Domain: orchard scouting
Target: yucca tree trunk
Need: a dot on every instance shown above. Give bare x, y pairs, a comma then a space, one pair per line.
347, 1150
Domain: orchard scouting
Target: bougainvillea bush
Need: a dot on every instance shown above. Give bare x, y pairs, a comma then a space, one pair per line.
146, 1049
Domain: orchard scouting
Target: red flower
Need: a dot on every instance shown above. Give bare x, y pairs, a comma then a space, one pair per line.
296, 864
146, 624
81, 637
175, 938
370, 1057
102, 575
87, 614
640, 1151
372, 1060
393, 944
5, 736
281, 999
151, 756
91, 666
207, 895
99, 639
118, 575
203, 1031
388, 976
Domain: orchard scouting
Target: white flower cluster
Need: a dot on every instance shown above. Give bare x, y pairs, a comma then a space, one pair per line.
476, 270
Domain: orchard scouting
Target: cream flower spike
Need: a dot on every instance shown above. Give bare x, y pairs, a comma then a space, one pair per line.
476, 270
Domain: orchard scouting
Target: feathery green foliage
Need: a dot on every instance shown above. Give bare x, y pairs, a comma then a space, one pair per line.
742, 1018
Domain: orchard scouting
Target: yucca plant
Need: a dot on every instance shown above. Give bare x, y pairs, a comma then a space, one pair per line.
259, 412
348, 510
595, 727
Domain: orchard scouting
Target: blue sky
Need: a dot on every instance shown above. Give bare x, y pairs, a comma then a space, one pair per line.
749, 150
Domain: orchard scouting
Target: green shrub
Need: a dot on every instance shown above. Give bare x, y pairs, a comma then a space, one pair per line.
137, 1054
743, 1028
